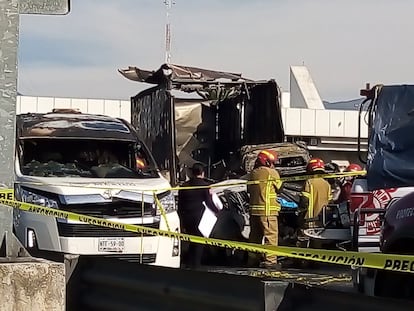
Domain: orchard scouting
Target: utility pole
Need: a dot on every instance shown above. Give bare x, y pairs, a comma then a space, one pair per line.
168, 5
9, 42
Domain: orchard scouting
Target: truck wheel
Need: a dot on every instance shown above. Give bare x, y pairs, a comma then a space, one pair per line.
357, 280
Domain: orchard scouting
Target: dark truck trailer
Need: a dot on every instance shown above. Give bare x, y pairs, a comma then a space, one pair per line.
226, 113
224, 124
384, 198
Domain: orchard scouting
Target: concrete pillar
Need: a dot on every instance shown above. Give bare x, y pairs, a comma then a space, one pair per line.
26, 283
34, 285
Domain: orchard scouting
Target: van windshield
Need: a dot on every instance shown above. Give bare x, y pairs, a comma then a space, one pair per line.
46, 157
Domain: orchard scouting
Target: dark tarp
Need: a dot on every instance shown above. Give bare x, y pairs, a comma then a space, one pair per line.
391, 141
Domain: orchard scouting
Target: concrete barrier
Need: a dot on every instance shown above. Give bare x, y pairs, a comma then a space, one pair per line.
299, 297
31, 284
107, 284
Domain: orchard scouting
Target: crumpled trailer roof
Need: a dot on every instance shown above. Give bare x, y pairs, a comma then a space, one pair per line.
181, 74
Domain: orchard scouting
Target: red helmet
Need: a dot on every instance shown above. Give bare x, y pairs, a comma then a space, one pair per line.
353, 168
316, 165
266, 157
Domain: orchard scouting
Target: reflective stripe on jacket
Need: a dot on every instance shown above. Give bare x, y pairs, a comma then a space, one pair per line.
263, 195
318, 191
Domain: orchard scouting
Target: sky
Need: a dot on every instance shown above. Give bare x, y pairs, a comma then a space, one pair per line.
344, 44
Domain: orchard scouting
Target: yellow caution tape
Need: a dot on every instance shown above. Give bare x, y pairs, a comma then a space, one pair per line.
400, 263
162, 210
105, 185
6, 194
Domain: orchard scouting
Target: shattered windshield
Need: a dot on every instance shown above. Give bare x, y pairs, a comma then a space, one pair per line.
85, 158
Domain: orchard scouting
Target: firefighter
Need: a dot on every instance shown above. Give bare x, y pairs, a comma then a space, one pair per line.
318, 193
317, 189
264, 208
346, 183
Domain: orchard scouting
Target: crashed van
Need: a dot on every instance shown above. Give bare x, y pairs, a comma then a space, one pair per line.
97, 166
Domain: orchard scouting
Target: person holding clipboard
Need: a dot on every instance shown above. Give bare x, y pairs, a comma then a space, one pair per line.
196, 210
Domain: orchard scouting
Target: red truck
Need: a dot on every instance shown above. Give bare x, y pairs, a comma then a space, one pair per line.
382, 202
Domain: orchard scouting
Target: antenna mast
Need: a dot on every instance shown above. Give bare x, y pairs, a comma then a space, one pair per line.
168, 5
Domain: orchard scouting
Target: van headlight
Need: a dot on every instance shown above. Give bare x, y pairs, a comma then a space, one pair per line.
34, 198
168, 203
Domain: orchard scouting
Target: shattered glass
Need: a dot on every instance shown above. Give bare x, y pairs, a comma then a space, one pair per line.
54, 169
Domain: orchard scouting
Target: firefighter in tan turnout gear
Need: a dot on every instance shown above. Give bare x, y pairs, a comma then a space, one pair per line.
264, 208
318, 190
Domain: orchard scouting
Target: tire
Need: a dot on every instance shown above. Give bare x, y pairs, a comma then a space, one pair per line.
358, 281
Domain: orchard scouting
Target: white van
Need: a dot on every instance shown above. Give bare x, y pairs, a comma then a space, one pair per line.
93, 165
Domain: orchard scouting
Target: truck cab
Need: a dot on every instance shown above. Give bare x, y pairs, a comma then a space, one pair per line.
97, 166
381, 201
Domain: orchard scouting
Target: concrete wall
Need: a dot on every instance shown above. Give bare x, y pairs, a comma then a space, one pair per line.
297, 122
322, 123
336, 130
285, 99
113, 108
34, 285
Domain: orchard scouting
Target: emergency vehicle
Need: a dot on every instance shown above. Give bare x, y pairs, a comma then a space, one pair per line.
382, 201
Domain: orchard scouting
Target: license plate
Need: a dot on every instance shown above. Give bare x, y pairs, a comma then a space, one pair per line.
115, 245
